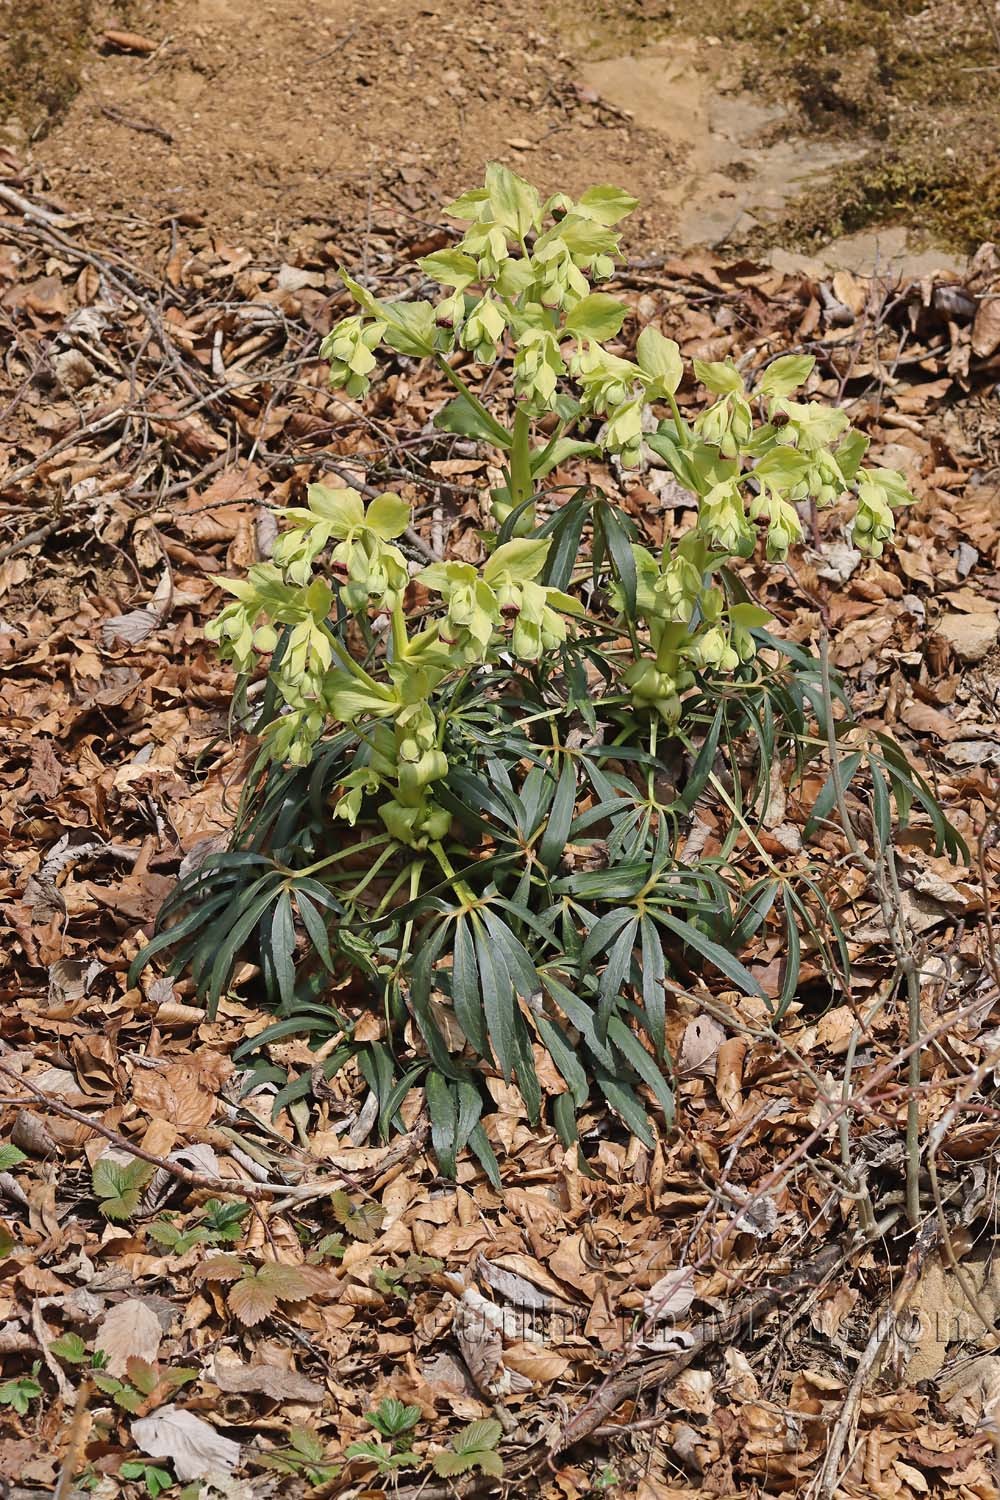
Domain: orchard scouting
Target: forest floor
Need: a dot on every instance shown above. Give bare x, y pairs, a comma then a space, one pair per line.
180, 184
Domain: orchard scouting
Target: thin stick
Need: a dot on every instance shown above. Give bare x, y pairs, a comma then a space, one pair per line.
829, 1476
251, 1191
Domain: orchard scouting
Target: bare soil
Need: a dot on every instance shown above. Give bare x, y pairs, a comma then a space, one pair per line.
764, 123
278, 113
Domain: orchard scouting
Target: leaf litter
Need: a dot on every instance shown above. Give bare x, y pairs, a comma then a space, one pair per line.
195, 1279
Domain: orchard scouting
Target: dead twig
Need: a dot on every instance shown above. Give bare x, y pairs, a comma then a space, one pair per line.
652, 1370
252, 1191
30, 210
134, 122
829, 1476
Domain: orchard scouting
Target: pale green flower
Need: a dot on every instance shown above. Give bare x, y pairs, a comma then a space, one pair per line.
623, 433
370, 571
723, 520
483, 329
349, 348
784, 528
879, 491
537, 366
605, 380
426, 823
727, 424
473, 609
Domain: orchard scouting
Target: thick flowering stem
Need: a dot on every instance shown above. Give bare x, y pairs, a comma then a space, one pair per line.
521, 484
500, 434
400, 639
346, 660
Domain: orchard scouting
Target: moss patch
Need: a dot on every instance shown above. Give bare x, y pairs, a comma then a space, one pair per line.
917, 81
42, 44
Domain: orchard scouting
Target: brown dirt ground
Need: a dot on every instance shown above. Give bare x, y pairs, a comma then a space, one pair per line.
255, 117
279, 113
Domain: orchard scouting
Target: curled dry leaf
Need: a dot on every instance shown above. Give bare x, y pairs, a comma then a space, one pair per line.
194, 1448
268, 1380
702, 1039
670, 1297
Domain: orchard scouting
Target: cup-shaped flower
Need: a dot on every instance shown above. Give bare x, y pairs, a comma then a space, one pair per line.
623, 432
371, 571
537, 366
722, 519
348, 346
483, 329
605, 380
473, 612
879, 492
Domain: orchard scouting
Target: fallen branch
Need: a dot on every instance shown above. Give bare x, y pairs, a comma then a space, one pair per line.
828, 1478
655, 1369
252, 1191
30, 210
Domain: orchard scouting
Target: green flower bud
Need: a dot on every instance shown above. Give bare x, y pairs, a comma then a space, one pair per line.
483, 329
349, 347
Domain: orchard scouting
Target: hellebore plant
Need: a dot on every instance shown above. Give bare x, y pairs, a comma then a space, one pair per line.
474, 781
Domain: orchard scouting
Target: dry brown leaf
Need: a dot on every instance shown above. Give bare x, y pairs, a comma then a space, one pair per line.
130, 1330
970, 636
700, 1044
232, 1375
194, 1448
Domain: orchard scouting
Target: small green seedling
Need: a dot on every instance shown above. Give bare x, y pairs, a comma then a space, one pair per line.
19, 1393
218, 1224
394, 1420
303, 1458
147, 1386
118, 1186
473, 1448
155, 1479
400, 1281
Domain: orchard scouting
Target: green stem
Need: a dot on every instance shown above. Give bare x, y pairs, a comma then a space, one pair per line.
465, 895
346, 660
501, 436
415, 871
369, 875
521, 487
678, 423
321, 864
400, 639
394, 887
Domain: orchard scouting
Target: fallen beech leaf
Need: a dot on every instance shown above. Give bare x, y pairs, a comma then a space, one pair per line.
986, 328
971, 637
31, 1135
516, 1289
535, 1363
671, 1296
195, 1449
702, 1039
130, 1330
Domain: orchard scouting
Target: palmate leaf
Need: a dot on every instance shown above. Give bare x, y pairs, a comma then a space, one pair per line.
118, 1186
256, 1295
473, 1448
448, 1464
361, 1220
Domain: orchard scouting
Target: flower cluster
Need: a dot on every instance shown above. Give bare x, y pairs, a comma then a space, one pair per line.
519, 284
